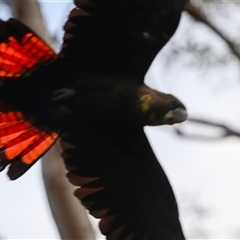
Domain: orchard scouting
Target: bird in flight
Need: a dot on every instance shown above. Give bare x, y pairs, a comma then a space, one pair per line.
92, 96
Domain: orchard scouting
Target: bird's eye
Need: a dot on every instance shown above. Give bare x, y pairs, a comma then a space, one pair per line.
146, 35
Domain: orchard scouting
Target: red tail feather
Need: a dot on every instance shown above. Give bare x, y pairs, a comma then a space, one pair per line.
19, 54
21, 142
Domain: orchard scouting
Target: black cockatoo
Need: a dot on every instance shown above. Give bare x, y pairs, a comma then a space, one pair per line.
92, 95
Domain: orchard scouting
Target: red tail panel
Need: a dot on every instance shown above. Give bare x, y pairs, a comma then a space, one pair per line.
21, 143
39, 146
20, 50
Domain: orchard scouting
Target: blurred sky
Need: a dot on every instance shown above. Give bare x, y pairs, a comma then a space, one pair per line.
205, 175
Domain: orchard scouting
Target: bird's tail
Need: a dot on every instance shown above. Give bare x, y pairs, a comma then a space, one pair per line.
21, 143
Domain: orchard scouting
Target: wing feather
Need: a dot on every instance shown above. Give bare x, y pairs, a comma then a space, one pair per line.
122, 183
118, 37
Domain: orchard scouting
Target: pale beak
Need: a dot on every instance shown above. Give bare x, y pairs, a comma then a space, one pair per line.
177, 115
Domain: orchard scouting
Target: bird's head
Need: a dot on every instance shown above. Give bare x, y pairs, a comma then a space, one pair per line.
159, 108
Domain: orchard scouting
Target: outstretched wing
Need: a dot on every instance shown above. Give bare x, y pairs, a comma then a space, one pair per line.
21, 50
122, 183
119, 37
120, 179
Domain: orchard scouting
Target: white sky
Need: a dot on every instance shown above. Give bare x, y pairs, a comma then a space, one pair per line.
202, 173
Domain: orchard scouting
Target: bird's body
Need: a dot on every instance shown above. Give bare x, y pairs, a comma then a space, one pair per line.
92, 95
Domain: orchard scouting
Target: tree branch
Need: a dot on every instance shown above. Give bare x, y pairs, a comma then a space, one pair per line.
199, 16
227, 131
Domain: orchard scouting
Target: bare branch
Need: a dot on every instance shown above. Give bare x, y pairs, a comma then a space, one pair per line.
199, 16
227, 131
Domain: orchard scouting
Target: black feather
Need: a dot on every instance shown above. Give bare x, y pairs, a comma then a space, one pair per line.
93, 95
